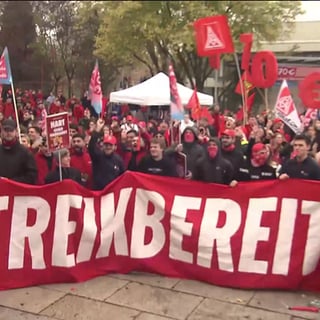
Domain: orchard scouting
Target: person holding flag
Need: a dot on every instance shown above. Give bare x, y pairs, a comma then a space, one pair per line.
106, 164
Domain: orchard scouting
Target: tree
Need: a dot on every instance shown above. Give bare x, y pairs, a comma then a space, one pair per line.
19, 35
152, 32
89, 18
57, 23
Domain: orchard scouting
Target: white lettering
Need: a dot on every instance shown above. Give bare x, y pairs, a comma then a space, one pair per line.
112, 224
179, 227
63, 228
211, 233
20, 231
57, 123
287, 222
143, 220
312, 248
89, 231
253, 232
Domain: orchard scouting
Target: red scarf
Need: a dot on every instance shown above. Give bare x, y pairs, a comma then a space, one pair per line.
9, 144
229, 148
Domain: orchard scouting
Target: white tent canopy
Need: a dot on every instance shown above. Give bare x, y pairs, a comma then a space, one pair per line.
156, 92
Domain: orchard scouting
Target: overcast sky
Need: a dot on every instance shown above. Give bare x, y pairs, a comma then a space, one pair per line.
312, 9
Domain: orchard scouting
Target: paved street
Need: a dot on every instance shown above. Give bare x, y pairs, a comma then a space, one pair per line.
149, 297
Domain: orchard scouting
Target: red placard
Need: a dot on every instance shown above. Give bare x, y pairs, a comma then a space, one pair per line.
246, 39
58, 135
213, 36
181, 160
309, 90
264, 60
214, 61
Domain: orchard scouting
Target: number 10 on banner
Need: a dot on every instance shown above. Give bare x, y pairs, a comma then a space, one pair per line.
264, 65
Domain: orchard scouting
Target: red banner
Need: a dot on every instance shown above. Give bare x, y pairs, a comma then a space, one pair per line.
256, 235
57, 126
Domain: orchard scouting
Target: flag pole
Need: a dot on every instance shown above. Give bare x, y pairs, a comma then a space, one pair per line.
241, 89
266, 99
16, 110
60, 168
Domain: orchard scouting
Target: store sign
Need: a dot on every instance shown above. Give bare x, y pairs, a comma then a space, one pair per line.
294, 72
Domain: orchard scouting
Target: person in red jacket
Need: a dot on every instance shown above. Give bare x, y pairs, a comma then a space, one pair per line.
8, 109
45, 161
80, 159
55, 107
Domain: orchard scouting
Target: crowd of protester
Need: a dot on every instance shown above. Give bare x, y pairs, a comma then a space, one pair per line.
218, 148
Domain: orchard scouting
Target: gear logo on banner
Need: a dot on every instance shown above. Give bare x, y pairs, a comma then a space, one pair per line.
213, 41
285, 105
213, 36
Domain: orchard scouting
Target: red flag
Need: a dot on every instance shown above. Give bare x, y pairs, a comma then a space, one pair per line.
95, 92
311, 114
246, 82
250, 101
213, 36
214, 61
105, 101
194, 105
206, 114
5, 69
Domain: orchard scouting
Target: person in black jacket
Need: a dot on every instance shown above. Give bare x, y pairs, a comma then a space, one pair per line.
302, 166
67, 172
106, 164
190, 146
256, 166
229, 149
213, 167
156, 162
16, 161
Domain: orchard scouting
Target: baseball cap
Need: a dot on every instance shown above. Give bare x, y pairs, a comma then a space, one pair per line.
9, 123
110, 140
258, 147
129, 117
229, 132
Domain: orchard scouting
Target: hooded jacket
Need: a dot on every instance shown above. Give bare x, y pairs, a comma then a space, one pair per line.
193, 150
217, 170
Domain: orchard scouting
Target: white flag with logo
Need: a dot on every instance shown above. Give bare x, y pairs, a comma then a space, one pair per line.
310, 115
286, 110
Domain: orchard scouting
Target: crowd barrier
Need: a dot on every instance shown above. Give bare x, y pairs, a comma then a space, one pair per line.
257, 235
